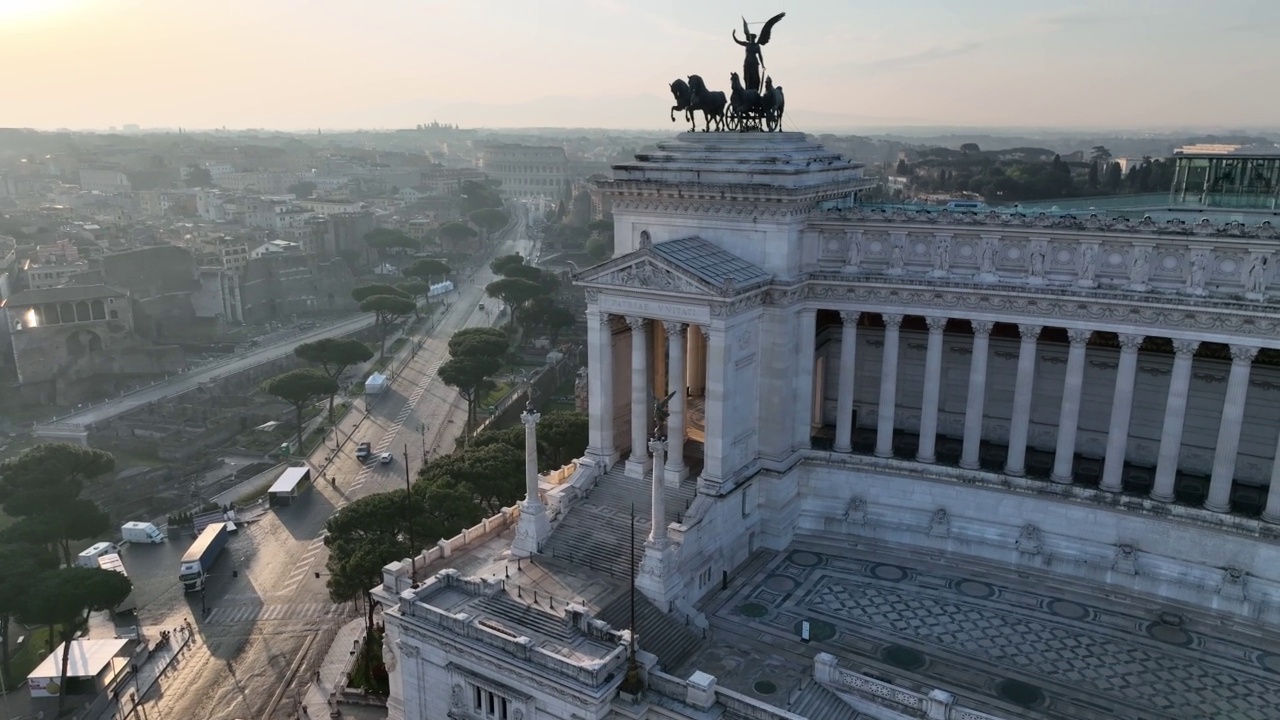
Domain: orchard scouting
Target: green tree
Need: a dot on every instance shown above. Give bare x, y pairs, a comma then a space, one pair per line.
427, 269
454, 233
479, 342
364, 292
1093, 175
198, 177
302, 189
478, 195
493, 472
969, 148
334, 356
42, 487
470, 376
502, 264
1100, 154
387, 309
298, 388
414, 287
1114, 176
515, 292
63, 599
903, 168
549, 316
490, 220
564, 435
600, 227
600, 247
20, 565
384, 239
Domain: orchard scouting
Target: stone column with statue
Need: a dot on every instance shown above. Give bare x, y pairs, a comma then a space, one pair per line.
534, 527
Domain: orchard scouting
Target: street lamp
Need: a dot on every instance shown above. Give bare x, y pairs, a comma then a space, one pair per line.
422, 428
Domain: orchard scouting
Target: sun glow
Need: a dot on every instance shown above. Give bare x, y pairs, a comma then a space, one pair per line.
13, 12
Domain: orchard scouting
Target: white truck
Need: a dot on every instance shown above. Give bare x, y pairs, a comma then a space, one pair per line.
113, 562
89, 557
141, 533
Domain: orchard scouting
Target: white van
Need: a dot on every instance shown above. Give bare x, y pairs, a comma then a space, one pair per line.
89, 558
141, 532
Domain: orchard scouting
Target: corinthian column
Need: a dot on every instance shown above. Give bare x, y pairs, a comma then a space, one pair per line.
600, 385
1224, 459
676, 469
1023, 388
1175, 414
1121, 411
533, 526
1069, 417
844, 402
888, 386
658, 526
1272, 513
932, 386
638, 463
977, 398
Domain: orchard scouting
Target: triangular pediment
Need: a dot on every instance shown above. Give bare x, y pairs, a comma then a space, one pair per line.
687, 265
641, 271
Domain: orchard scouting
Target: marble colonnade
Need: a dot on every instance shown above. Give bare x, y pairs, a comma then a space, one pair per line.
1226, 449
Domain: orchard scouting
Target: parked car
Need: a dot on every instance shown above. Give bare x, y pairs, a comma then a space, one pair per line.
363, 451
385, 458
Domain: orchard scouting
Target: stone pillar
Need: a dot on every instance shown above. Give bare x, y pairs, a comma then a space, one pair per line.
932, 386
977, 398
1175, 414
1121, 411
534, 527
848, 370
1224, 460
698, 363
1272, 513
1023, 388
717, 448
676, 469
658, 509
888, 386
641, 397
805, 351
1069, 417
600, 385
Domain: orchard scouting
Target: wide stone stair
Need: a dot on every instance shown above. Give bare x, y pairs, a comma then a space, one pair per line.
596, 532
816, 702
518, 616
657, 632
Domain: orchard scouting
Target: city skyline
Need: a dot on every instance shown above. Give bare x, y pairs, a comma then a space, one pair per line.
606, 63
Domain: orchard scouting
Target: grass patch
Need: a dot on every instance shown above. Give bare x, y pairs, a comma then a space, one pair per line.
32, 653
492, 397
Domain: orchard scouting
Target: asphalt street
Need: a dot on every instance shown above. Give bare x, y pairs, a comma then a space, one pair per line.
260, 631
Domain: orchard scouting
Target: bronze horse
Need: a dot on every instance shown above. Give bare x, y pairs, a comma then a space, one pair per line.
693, 96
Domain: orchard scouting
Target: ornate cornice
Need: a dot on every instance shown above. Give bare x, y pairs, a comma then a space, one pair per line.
754, 208
1146, 225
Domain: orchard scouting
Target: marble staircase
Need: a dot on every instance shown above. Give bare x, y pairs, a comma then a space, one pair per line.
596, 532
658, 633
514, 613
816, 702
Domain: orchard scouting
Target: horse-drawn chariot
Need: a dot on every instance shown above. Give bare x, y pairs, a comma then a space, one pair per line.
748, 107
754, 110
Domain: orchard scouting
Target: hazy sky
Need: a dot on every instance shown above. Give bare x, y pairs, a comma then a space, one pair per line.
607, 63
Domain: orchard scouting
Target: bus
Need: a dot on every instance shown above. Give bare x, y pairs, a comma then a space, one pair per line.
289, 486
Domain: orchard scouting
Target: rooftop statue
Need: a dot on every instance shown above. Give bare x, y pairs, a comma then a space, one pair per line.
754, 60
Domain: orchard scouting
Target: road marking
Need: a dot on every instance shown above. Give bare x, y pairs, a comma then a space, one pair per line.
234, 614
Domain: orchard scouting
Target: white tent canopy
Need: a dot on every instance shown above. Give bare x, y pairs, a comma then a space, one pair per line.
88, 658
376, 383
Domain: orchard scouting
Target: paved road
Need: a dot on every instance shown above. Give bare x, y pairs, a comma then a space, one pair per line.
187, 381
267, 627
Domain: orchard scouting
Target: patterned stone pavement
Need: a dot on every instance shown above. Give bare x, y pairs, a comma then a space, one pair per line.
1010, 644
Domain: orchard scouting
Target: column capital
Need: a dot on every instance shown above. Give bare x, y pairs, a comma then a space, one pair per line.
605, 319
936, 324
1130, 343
1185, 347
1029, 332
657, 445
1079, 337
674, 329
1243, 353
636, 322
849, 317
530, 417
892, 321
981, 327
